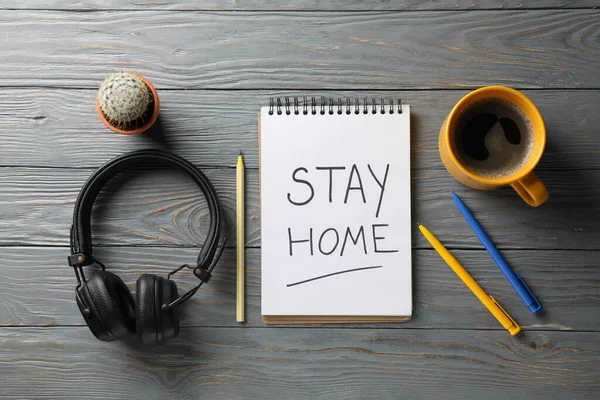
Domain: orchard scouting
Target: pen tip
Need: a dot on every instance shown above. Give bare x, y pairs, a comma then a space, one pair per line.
452, 192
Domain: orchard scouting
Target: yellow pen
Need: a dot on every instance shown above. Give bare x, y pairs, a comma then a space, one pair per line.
488, 301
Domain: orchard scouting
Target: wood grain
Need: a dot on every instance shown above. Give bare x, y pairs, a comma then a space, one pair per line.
298, 5
165, 208
60, 128
227, 50
234, 56
279, 363
38, 288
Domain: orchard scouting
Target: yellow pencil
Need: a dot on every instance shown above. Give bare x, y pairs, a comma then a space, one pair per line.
488, 301
240, 240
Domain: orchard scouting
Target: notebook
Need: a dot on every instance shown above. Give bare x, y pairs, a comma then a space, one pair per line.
335, 211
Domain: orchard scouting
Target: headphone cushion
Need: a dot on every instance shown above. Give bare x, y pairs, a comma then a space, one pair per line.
113, 304
153, 325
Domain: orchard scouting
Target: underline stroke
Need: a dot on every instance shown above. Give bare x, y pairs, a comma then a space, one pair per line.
334, 273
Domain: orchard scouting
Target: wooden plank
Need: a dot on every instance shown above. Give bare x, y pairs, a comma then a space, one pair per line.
526, 49
40, 289
60, 128
278, 363
164, 208
288, 5
173, 209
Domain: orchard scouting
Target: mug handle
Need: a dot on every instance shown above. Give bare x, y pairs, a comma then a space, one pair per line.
531, 189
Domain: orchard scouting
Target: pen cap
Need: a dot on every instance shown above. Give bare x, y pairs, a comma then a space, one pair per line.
527, 296
514, 330
508, 323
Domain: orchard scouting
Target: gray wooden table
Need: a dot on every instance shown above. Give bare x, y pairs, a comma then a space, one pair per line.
214, 64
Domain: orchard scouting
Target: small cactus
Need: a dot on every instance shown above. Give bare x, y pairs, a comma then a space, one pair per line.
124, 100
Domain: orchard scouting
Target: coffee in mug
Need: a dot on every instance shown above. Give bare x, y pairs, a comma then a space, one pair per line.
495, 136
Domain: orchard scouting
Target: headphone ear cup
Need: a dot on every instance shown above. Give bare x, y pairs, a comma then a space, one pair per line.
169, 320
153, 325
111, 306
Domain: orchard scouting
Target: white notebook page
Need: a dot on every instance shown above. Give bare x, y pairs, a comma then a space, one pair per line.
324, 174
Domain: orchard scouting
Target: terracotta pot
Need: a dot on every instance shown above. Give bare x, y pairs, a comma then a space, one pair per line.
144, 127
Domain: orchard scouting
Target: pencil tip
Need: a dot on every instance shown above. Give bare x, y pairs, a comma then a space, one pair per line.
240, 152
418, 224
452, 192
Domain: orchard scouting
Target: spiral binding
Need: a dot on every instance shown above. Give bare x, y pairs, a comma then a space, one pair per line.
330, 106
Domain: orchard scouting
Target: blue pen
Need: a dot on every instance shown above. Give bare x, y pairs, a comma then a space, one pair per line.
515, 280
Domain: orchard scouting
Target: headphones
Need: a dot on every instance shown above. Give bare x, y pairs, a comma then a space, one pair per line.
104, 300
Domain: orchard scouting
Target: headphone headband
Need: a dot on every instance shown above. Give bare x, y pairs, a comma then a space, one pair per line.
81, 234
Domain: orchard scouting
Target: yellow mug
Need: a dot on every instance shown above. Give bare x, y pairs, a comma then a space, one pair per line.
523, 181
